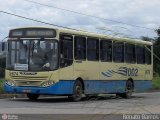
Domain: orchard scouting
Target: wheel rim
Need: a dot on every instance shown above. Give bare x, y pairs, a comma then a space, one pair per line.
129, 89
78, 91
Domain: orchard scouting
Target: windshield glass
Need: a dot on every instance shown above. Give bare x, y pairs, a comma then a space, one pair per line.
32, 55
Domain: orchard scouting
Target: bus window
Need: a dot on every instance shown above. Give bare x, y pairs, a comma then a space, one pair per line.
118, 52
130, 56
140, 54
106, 50
148, 54
80, 48
66, 50
92, 49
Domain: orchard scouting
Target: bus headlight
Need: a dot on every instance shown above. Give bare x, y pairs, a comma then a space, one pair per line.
10, 83
47, 83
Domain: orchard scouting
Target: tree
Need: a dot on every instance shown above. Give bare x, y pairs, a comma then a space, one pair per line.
156, 51
2, 67
2, 58
147, 39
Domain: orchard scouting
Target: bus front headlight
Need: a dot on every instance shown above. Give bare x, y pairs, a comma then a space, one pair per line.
47, 83
10, 83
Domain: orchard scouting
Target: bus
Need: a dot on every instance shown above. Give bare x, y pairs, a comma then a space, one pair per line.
75, 63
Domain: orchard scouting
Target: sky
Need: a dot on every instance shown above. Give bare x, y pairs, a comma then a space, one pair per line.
144, 13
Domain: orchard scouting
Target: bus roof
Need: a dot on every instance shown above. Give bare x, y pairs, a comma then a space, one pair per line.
91, 34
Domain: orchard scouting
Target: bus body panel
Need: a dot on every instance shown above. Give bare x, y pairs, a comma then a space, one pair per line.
124, 71
60, 88
66, 73
65, 87
27, 78
114, 86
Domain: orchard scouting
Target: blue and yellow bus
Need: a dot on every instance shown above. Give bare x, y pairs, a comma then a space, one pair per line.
74, 63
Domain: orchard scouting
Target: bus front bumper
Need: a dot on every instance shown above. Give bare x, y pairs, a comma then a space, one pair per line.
60, 88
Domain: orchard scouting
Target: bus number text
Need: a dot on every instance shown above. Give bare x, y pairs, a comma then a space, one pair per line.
132, 72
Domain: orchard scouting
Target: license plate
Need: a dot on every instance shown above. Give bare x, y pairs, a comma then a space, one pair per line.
26, 91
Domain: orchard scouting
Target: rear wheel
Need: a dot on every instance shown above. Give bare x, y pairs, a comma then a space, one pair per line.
33, 96
77, 92
128, 92
129, 89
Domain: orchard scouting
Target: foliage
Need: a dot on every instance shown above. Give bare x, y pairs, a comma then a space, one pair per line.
156, 50
156, 83
147, 39
1, 86
2, 67
157, 53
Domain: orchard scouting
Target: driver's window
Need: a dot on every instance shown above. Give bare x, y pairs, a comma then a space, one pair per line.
66, 50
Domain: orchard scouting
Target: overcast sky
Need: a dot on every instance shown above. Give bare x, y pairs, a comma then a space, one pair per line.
143, 13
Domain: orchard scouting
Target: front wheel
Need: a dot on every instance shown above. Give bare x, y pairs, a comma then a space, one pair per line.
77, 92
33, 96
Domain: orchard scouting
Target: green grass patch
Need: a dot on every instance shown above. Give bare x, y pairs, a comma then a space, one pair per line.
1, 85
156, 83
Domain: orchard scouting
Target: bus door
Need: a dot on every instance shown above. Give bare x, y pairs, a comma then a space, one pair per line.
66, 57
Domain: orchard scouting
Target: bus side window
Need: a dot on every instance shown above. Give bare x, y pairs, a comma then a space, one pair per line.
80, 48
148, 54
66, 50
130, 56
118, 51
92, 49
140, 54
106, 50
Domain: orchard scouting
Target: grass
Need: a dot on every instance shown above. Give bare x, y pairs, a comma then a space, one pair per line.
156, 83
1, 86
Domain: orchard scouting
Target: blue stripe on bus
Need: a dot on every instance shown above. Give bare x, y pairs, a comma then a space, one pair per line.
115, 86
60, 88
91, 87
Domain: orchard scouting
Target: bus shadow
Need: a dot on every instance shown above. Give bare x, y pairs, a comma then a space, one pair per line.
65, 99
44, 100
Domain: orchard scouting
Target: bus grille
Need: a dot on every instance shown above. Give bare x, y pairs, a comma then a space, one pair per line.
28, 81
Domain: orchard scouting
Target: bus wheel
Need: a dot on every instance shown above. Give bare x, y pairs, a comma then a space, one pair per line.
33, 96
128, 91
77, 92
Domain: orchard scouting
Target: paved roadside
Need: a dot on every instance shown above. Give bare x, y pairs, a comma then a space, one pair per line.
147, 103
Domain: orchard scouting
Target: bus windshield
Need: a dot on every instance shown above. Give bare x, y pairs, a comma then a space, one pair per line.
32, 55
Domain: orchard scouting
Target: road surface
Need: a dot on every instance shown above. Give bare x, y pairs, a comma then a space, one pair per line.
141, 103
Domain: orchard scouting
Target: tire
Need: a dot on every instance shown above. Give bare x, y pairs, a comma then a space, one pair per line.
33, 97
77, 92
128, 90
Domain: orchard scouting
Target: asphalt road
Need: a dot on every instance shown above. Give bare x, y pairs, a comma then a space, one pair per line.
140, 103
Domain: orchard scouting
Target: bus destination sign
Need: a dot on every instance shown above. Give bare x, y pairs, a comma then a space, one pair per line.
32, 33
40, 33
17, 33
